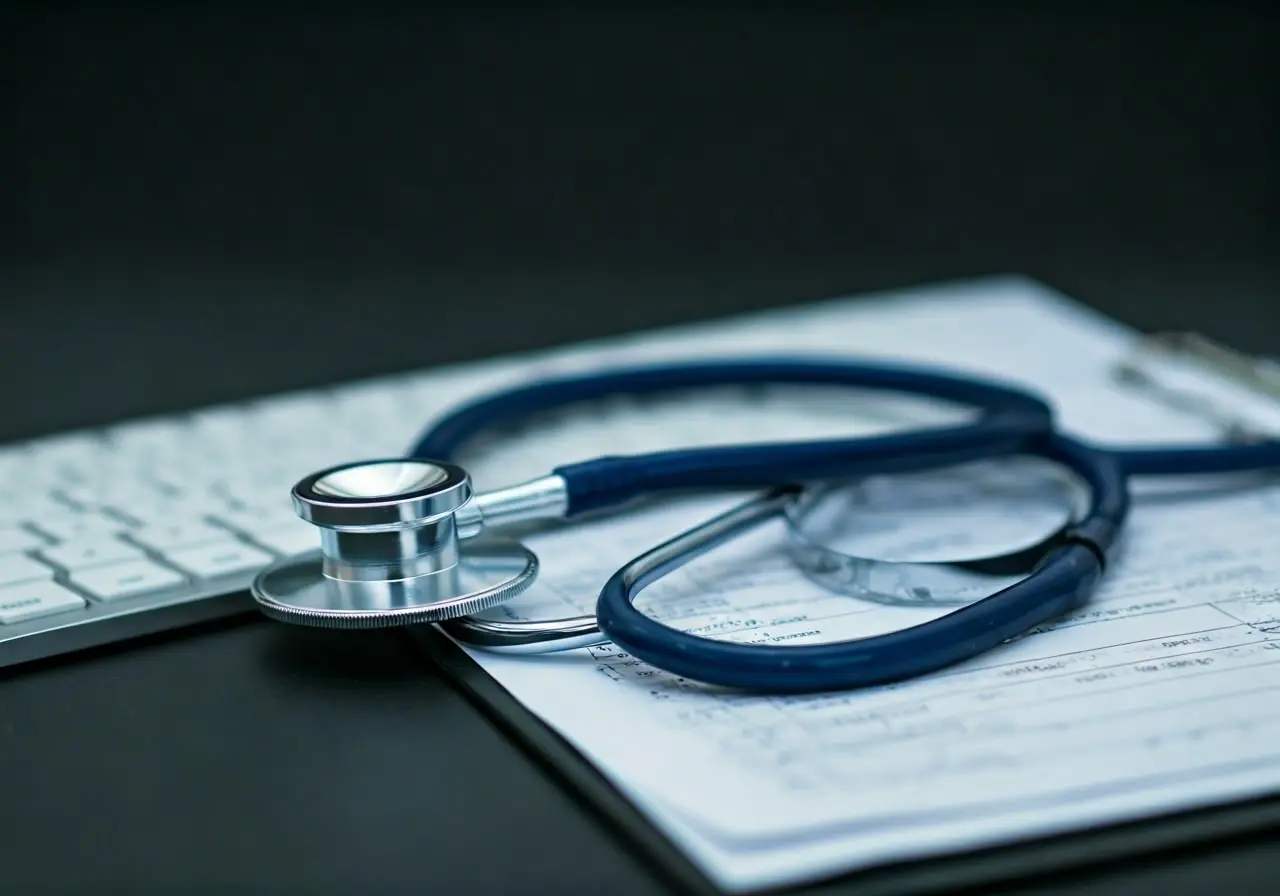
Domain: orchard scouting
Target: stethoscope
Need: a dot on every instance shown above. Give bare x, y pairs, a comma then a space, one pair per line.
406, 541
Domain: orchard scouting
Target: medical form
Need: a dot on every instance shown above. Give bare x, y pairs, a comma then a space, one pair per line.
1158, 695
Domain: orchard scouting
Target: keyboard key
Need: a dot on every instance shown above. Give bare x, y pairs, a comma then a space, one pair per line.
32, 600
71, 526
19, 507
127, 579
86, 552
21, 568
291, 538
257, 517
14, 540
218, 558
177, 534
91, 496
156, 510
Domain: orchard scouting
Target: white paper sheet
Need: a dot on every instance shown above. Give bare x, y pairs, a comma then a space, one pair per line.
1158, 695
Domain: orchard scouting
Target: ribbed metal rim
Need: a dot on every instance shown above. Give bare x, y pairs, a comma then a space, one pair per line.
310, 565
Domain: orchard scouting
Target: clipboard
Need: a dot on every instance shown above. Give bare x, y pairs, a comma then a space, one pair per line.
982, 869
1029, 860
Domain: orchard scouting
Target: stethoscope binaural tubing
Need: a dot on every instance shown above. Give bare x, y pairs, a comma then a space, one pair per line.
1060, 582
1009, 419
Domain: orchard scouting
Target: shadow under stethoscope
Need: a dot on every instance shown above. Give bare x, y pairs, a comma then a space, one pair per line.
327, 659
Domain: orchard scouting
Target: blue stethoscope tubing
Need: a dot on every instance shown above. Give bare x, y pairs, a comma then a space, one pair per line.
1012, 421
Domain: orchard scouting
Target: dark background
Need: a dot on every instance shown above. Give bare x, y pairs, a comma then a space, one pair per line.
203, 204
258, 181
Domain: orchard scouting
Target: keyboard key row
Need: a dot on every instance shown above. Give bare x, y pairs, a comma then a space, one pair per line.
88, 552
27, 590
158, 526
80, 553
177, 534
70, 525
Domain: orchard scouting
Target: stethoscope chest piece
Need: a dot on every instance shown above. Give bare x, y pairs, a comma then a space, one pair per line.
400, 544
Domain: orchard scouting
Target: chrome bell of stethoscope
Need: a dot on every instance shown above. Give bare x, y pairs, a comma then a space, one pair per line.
404, 541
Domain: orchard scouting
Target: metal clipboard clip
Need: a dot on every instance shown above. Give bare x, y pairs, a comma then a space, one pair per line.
1140, 370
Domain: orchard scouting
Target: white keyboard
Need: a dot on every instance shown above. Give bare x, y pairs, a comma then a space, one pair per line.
149, 525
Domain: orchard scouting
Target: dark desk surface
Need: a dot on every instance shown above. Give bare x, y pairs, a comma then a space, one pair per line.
249, 757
